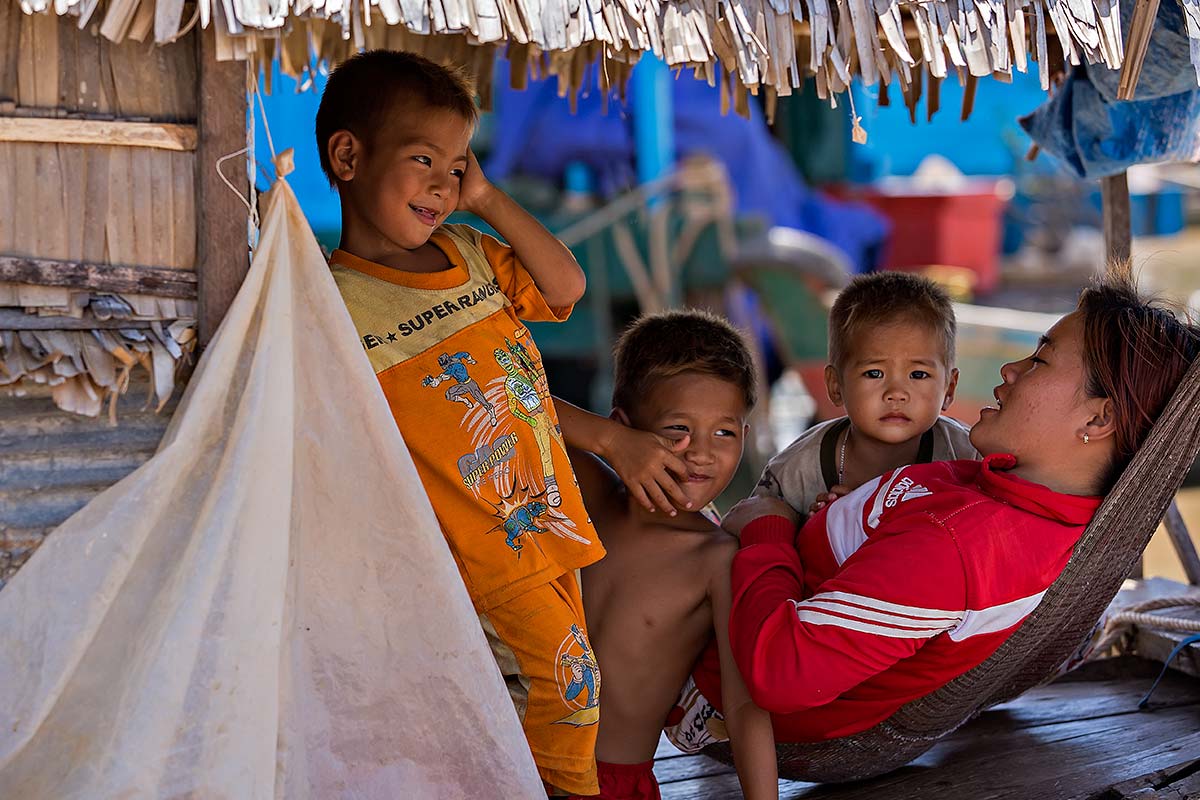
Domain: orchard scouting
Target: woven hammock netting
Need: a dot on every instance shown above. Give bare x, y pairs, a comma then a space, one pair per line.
1066, 617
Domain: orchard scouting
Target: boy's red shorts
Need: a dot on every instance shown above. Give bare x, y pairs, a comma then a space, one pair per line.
626, 782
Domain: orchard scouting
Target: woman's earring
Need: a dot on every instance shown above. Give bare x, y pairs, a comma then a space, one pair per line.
1086, 438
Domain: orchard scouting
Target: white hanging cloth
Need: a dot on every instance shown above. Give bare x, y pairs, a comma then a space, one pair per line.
267, 608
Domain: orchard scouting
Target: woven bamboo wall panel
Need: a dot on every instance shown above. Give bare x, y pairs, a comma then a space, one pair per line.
52, 463
103, 205
46, 63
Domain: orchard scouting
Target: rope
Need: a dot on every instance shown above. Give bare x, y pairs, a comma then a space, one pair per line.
263, 111
1119, 624
184, 30
220, 162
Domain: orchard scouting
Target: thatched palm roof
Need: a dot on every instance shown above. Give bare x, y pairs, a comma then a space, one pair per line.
760, 44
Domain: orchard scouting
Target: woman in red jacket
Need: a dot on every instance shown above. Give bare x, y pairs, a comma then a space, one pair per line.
918, 576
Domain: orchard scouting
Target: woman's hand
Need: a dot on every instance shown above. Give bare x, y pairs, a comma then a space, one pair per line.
753, 508
836, 491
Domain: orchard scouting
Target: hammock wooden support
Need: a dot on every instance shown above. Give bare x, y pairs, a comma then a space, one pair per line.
1050, 635
1182, 542
1118, 245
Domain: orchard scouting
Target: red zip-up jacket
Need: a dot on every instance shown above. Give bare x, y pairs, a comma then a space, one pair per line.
891, 591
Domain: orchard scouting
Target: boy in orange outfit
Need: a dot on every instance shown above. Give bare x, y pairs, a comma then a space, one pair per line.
439, 310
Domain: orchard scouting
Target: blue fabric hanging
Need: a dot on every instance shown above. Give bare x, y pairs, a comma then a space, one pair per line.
1086, 127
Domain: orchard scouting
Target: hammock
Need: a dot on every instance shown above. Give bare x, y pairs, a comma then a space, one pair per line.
267, 608
1067, 615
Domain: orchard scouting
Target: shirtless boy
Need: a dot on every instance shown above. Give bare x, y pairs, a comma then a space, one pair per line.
654, 602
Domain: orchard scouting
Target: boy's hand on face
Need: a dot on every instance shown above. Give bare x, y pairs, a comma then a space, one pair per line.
753, 508
839, 490
475, 189
650, 468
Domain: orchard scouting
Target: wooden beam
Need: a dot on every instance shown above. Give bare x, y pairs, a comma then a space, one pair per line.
1157, 645
13, 319
221, 238
157, 281
49, 130
968, 101
1180, 780
1136, 45
1185, 549
1118, 247
1118, 241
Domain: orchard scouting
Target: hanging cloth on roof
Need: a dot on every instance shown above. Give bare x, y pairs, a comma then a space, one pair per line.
267, 608
1095, 135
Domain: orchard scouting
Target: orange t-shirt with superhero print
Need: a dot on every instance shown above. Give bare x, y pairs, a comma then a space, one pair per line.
465, 383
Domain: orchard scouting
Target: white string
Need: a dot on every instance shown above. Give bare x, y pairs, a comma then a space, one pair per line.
251, 204
252, 157
220, 162
263, 112
185, 29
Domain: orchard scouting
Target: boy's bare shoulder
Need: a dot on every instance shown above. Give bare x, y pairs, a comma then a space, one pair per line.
719, 550
712, 545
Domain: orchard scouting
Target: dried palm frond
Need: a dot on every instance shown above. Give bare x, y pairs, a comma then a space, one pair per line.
753, 44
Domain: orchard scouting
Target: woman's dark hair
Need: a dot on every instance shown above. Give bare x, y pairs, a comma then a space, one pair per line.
1136, 352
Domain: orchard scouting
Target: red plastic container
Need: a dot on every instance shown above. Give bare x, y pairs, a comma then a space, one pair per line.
958, 230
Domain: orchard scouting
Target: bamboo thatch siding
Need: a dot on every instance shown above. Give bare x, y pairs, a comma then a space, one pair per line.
102, 205
93, 203
98, 209
52, 464
47, 63
99, 287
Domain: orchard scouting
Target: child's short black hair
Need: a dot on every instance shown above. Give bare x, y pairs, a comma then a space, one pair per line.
881, 298
669, 343
367, 87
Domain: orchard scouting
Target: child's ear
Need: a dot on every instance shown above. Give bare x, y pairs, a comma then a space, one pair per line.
833, 385
949, 399
343, 150
620, 416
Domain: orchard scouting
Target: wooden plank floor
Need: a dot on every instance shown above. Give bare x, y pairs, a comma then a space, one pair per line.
1071, 740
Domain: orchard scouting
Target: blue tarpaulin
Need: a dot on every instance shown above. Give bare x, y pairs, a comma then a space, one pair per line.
535, 133
1096, 135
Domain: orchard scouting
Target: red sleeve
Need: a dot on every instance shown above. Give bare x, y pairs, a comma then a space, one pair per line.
772, 529
896, 592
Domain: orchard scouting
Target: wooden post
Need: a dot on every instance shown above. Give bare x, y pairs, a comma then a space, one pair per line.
1118, 245
1141, 26
1184, 548
1114, 194
222, 247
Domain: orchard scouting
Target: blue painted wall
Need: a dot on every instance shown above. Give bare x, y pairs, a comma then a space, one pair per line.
989, 143
292, 117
